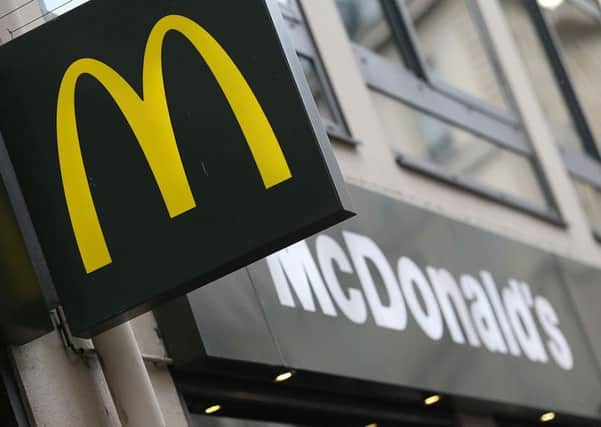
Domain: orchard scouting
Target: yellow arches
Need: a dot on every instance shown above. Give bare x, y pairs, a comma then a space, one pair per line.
148, 116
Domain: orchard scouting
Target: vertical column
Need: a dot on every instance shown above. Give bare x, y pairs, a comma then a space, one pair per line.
127, 378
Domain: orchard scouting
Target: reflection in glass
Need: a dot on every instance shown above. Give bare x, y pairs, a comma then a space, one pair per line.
367, 26
317, 88
590, 197
453, 48
541, 75
579, 32
423, 137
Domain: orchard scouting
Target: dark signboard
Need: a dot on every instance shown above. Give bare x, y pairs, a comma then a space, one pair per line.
159, 145
23, 312
403, 296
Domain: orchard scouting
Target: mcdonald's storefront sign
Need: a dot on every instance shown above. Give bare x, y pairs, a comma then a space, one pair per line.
159, 145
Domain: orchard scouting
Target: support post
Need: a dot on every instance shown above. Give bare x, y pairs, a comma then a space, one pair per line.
127, 378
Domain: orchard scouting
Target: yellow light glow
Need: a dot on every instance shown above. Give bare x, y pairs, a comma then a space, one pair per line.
283, 377
372, 425
547, 416
431, 400
550, 4
212, 409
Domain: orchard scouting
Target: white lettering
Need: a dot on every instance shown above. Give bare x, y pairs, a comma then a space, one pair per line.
362, 249
411, 277
558, 345
483, 316
296, 263
495, 299
449, 295
518, 300
473, 310
329, 253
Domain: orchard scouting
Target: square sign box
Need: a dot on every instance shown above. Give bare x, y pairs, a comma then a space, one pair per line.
159, 145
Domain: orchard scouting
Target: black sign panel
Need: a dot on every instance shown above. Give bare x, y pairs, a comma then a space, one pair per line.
23, 311
160, 145
402, 296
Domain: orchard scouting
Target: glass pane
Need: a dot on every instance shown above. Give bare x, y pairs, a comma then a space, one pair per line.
580, 39
452, 47
424, 137
367, 26
317, 88
541, 76
590, 197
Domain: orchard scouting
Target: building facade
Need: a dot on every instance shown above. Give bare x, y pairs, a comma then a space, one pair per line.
467, 133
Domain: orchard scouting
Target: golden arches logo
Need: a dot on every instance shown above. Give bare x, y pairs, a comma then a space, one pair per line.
148, 116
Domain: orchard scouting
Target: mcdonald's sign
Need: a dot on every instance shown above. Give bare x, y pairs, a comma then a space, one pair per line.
159, 145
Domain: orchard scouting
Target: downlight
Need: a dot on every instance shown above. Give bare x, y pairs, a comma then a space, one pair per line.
212, 409
284, 376
547, 416
432, 400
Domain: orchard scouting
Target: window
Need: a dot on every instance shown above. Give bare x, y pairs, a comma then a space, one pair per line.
455, 54
544, 85
316, 84
317, 79
434, 144
577, 25
443, 100
561, 47
367, 25
590, 197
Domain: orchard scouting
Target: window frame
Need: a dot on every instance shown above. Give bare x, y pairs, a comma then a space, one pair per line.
415, 86
583, 165
418, 63
304, 44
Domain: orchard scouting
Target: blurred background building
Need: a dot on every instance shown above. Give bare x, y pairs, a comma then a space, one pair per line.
483, 112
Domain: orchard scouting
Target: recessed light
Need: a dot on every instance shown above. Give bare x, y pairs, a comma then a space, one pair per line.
550, 4
431, 400
372, 425
212, 409
284, 376
547, 416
